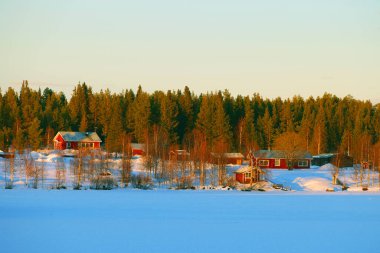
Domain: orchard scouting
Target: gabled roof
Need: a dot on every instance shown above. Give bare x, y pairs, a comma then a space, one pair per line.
180, 152
279, 154
140, 146
79, 136
248, 169
228, 155
325, 155
244, 169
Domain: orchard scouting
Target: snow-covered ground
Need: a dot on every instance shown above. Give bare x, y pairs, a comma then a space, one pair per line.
316, 179
187, 221
306, 219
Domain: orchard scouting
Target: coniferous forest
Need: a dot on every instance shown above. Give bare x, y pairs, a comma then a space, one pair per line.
216, 121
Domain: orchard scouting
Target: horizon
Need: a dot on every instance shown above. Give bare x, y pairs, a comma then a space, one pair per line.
69, 92
272, 48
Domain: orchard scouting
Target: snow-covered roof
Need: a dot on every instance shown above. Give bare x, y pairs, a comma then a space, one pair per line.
244, 169
229, 155
140, 146
248, 169
326, 155
280, 154
180, 152
79, 136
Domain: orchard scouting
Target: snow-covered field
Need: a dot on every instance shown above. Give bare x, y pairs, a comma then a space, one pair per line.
187, 221
305, 219
315, 179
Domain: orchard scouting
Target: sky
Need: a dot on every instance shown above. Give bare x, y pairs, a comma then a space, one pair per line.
274, 47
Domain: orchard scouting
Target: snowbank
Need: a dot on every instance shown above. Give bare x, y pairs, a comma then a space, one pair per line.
313, 183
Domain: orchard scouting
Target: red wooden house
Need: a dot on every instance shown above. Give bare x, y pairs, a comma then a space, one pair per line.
76, 140
138, 149
277, 159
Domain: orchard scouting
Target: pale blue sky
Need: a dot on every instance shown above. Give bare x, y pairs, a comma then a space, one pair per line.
276, 47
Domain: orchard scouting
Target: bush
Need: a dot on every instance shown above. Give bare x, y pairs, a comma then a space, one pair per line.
185, 183
9, 185
230, 182
102, 182
143, 182
77, 186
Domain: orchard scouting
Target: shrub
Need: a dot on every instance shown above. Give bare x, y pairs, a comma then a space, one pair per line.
9, 185
142, 182
185, 183
103, 182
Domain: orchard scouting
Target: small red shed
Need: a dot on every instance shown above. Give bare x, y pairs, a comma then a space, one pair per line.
248, 174
138, 149
76, 140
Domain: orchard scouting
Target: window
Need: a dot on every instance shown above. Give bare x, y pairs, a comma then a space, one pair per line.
263, 162
247, 175
68, 145
302, 163
277, 162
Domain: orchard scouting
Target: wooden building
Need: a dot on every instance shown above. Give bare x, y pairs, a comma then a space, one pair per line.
277, 159
228, 158
249, 175
339, 160
76, 140
138, 149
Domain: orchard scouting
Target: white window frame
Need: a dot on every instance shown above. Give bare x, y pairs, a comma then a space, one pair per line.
303, 163
248, 175
68, 144
263, 162
277, 162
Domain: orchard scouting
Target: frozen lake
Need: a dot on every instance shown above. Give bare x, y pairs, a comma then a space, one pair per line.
187, 221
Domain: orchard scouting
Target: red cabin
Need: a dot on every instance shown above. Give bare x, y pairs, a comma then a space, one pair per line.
138, 149
277, 159
76, 140
248, 175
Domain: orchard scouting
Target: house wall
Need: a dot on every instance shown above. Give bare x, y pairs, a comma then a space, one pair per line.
136, 151
237, 161
239, 177
60, 144
283, 164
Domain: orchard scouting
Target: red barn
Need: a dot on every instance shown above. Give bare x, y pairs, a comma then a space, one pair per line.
138, 149
76, 140
277, 159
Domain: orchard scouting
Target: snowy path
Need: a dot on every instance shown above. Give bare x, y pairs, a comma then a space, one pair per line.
187, 221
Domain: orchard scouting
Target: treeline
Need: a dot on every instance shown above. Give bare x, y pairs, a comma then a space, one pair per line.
217, 120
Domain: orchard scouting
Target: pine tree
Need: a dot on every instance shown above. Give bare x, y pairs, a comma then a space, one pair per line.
34, 134
115, 131
204, 119
185, 115
319, 135
168, 119
268, 129
249, 132
141, 115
